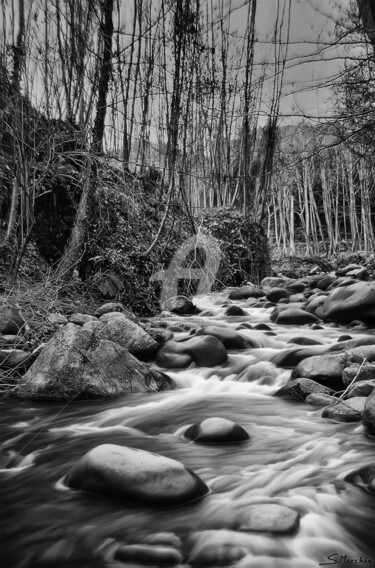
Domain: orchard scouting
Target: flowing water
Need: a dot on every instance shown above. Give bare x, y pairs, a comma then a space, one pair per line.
293, 457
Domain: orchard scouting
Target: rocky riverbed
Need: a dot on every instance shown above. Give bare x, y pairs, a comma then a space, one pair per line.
258, 401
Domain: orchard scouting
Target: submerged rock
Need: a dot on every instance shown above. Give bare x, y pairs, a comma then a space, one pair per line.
234, 311
269, 517
135, 475
216, 431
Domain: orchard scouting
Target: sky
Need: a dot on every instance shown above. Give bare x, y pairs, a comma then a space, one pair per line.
311, 60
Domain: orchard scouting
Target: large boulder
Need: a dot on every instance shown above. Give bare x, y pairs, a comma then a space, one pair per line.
205, 351
135, 475
326, 369
11, 321
216, 431
75, 364
129, 335
369, 415
353, 302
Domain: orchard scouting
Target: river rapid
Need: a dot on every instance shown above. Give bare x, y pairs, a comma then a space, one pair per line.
293, 457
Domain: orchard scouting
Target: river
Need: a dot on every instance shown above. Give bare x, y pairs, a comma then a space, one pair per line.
293, 457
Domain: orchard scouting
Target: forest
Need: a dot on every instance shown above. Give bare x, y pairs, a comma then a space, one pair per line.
125, 128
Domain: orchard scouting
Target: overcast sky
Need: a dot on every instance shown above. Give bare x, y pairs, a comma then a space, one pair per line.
312, 64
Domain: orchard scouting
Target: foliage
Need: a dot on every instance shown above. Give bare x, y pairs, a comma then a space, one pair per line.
245, 254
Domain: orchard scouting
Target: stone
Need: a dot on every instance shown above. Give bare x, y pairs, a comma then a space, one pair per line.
57, 319
234, 311
11, 321
170, 360
179, 305
342, 412
135, 475
216, 553
343, 271
358, 372
296, 287
295, 316
314, 303
161, 336
216, 431
355, 301
301, 388
14, 358
269, 517
320, 399
303, 340
245, 292
205, 350
359, 273
129, 335
148, 554
230, 339
326, 369
369, 415
276, 282
109, 307
277, 294
363, 477
75, 364
362, 388
324, 282
81, 319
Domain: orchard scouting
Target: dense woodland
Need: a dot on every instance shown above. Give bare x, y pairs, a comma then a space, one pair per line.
125, 126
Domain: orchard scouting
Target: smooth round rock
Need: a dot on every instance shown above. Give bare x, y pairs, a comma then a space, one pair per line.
271, 518
216, 431
11, 320
295, 316
148, 554
369, 415
342, 412
277, 294
320, 399
234, 311
245, 292
135, 475
171, 360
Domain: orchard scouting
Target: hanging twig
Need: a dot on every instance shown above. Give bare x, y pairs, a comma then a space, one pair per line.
348, 387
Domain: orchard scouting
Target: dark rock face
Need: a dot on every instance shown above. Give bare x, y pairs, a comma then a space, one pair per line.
205, 351
355, 301
216, 431
180, 305
11, 321
369, 415
135, 475
367, 13
75, 363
